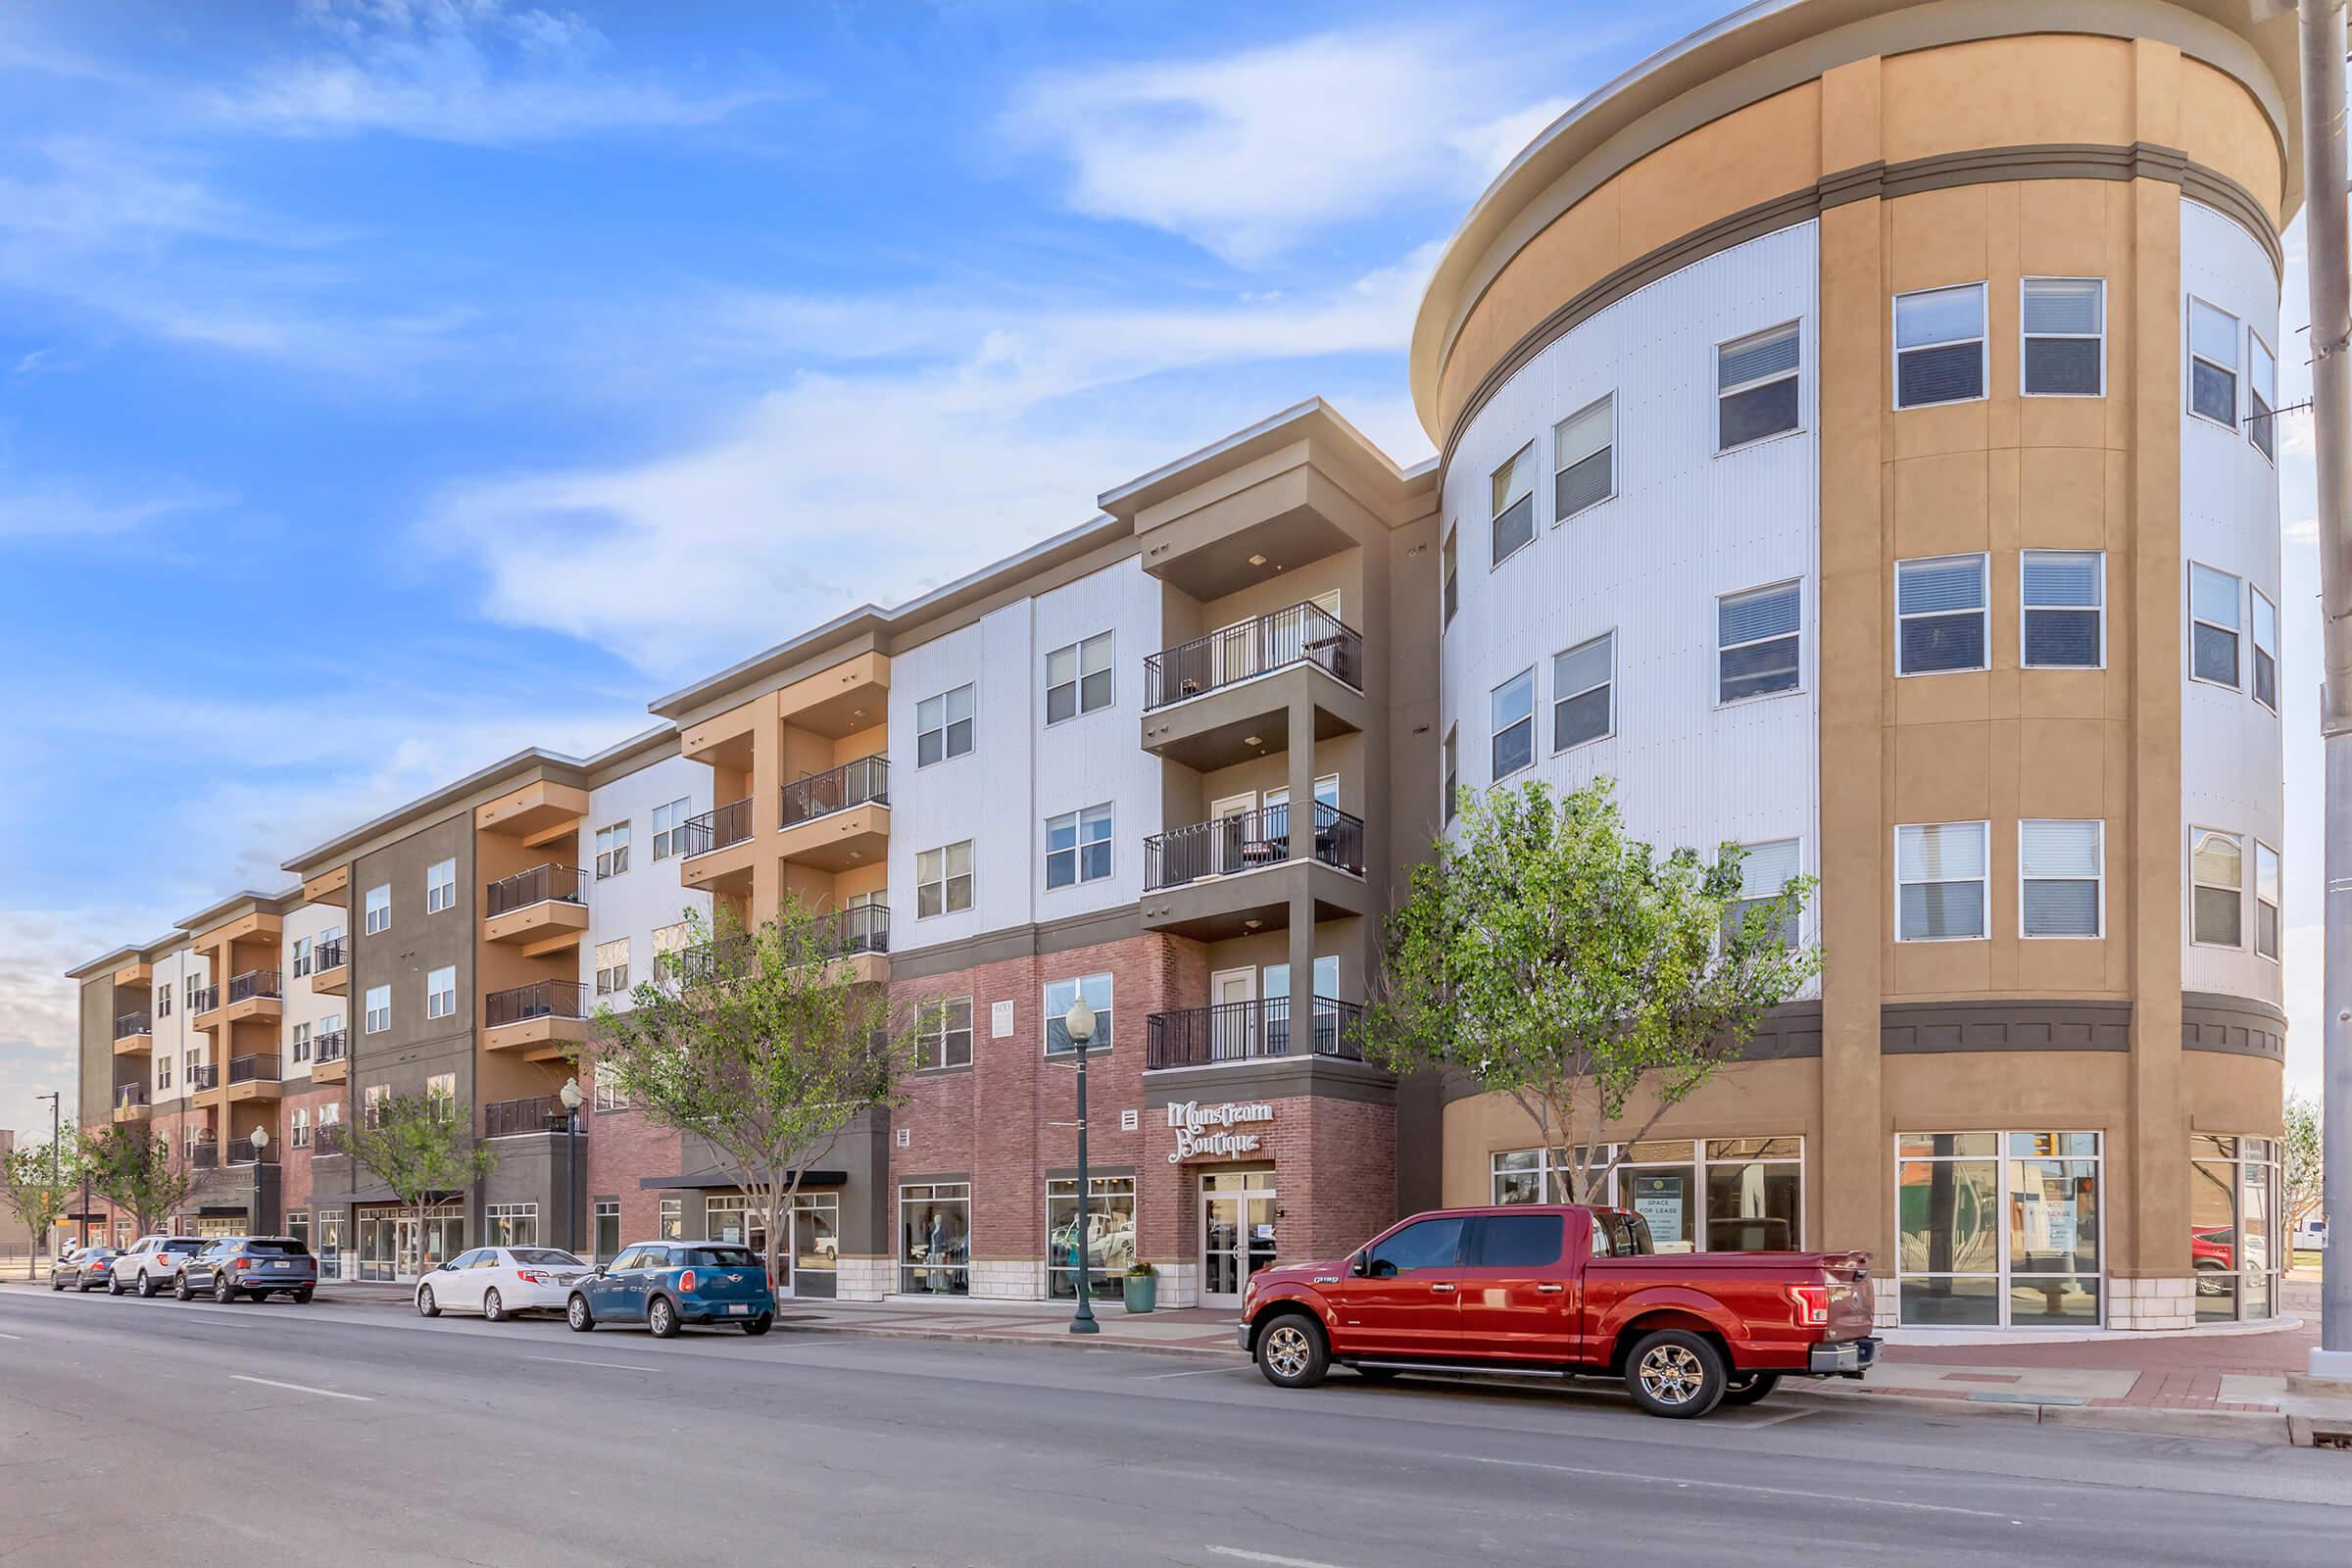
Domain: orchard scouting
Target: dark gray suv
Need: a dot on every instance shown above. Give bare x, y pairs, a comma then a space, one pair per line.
257, 1266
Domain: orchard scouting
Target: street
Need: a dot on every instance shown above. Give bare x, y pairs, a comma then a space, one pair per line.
134, 1429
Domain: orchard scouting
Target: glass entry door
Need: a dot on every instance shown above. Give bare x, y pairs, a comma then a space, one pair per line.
1237, 1233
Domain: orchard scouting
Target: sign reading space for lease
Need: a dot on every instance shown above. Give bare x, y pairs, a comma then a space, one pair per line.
1216, 1132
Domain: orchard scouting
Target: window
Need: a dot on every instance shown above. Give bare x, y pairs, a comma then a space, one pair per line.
1765, 871
667, 820
1940, 346
2262, 396
193, 985
1514, 1242
511, 1225
2217, 864
611, 851
673, 1221
1511, 719
2059, 867
1078, 847
607, 1226
2266, 650
668, 941
1448, 582
1059, 998
2064, 323
1451, 783
943, 1033
298, 1226
1584, 458
330, 1114
1110, 1234
380, 909
441, 992
1755, 387
302, 1042
163, 1070
2212, 364
379, 1008
163, 1002
298, 1127
1939, 612
611, 966
1756, 635
441, 1094
1078, 679
1425, 1244
2266, 899
942, 727
943, 880
1584, 692
372, 1106
441, 886
935, 1239
610, 1095
2061, 623
1939, 881
1998, 1229
298, 957
2235, 1219
2213, 611
1514, 496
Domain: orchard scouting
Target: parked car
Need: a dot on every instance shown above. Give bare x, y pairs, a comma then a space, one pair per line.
501, 1282
1564, 1291
665, 1285
259, 1266
82, 1269
152, 1263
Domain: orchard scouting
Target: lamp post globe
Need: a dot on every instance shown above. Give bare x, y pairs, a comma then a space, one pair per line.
570, 1093
1079, 1024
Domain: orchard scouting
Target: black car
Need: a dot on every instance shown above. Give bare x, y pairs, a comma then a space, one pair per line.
84, 1269
257, 1266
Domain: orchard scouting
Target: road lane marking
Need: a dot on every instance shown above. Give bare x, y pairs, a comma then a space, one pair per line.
1199, 1372
565, 1360
1654, 1479
11, 1336
303, 1388
1268, 1557
1782, 1419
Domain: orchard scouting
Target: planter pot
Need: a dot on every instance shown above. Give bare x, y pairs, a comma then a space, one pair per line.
1142, 1291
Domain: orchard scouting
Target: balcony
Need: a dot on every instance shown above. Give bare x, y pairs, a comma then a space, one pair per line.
330, 967
326, 1141
203, 1009
204, 1156
542, 911
331, 887
130, 1102
135, 1035
252, 1078
203, 1078
242, 1152
538, 1019
137, 976
1233, 875
717, 848
540, 812
1248, 1030
859, 938
1225, 697
510, 1118
839, 818
255, 993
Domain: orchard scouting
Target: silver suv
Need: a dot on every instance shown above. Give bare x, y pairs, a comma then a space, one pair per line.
152, 1263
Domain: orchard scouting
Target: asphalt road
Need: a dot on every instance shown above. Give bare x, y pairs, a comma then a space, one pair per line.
279, 1434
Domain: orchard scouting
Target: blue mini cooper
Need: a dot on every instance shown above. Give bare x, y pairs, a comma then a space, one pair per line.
667, 1285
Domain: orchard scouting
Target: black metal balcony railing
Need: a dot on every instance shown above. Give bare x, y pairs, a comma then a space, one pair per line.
328, 956
207, 1076
127, 1024
256, 983
204, 1001
715, 829
541, 1113
863, 782
864, 928
253, 1071
326, 1141
204, 1157
541, 884
129, 1097
727, 955
1245, 841
241, 1152
1303, 634
1248, 1031
329, 1047
541, 999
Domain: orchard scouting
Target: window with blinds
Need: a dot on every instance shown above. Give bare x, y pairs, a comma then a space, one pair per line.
2216, 869
1765, 871
1756, 387
1940, 346
2063, 325
1939, 870
2266, 899
1584, 693
1756, 637
2060, 868
2212, 364
1514, 496
2213, 625
1511, 722
1584, 458
2063, 602
1939, 612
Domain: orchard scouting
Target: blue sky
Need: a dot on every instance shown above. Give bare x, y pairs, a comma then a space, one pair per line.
388, 384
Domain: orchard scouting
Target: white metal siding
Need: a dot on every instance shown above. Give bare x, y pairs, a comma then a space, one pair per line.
648, 895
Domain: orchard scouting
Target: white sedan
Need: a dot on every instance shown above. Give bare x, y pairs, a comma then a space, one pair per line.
500, 1282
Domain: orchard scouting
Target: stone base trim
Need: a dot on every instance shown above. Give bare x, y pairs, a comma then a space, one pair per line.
862, 1279
2152, 1304
1009, 1280
1179, 1284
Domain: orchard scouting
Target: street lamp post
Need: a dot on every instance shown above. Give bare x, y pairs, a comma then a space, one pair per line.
260, 1138
56, 1131
570, 1093
1080, 1022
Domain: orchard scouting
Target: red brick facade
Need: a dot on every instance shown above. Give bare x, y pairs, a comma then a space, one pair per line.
622, 1147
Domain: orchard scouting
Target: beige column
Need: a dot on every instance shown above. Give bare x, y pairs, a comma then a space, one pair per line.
1300, 723
767, 809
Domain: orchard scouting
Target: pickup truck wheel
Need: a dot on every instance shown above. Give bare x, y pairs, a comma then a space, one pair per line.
1291, 1352
1675, 1373
1747, 1387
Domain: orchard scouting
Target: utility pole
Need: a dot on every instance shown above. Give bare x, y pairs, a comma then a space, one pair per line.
2321, 24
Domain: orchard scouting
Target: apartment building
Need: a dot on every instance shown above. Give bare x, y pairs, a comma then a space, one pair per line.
1856, 440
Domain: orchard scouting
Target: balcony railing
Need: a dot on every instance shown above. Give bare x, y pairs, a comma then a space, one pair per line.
129, 1097
328, 956
329, 1047
716, 959
204, 1157
207, 1076
241, 1152
715, 829
862, 928
541, 999
253, 1071
542, 1114
127, 1024
1248, 1031
256, 983
541, 884
863, 782
1247, 841
1305, 633
204, 1001
326, 1141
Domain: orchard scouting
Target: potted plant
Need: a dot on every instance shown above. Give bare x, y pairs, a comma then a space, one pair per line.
1140, 1285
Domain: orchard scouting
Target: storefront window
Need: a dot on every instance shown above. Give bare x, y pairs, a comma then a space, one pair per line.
733, 1219
673, 1219
1989, 1242
298, 1225
2232, 1205
607, 1227
330, 1244
1749, 1191
2053, 1229
512, 1225
816, 1243
1110, 1227
935, 1231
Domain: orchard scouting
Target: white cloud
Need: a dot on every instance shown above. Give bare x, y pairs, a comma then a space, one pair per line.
65, 512
1248, 153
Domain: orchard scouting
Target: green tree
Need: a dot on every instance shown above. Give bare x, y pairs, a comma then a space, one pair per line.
1548, 955
135, 1170
2300, 1166
38, 1183
422, 1147
763, 1043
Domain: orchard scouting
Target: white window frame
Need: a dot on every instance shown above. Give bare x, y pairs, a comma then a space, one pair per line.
2257, 603
1553, 1165
1449, 578
2235, 372
1984, 610
2197, 831
1796, 373
945, 881
1608, 449
1503, 507
1983, 879
377, 1008
1078, 823
1797, 636
1494, 735
1049, 1015
2024, 286
1081, 676
2267, 858
2099, 931
667, 818
933, 1030
441, 885
1558, 697
1738, 913
2004, 1158
607, 1092
299, 1041
2268, 418
611, 978
441, 1000
946, 728
298, 957
298, 1127
2237, 633
1449, 773
612, 851
2026, 605
1982, 339
377, 906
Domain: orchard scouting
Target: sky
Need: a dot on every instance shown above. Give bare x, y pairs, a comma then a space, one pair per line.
386, 386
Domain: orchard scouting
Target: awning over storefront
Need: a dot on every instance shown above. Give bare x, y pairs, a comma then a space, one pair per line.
221, 1211
728, 1180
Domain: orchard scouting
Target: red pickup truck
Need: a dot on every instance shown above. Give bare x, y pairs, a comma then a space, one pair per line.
1564, 1291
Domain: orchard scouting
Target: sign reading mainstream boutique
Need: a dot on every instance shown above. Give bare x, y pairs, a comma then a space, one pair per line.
1208, 1132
